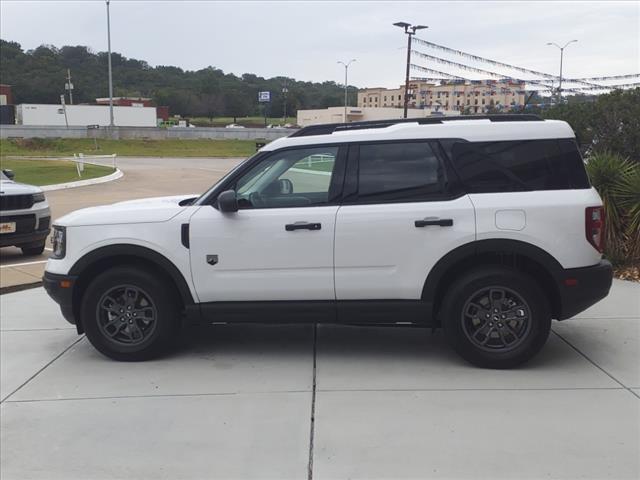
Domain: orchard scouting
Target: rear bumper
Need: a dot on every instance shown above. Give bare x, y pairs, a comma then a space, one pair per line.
60, 288
582, 287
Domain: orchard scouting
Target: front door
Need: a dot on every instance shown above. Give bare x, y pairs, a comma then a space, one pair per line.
279, 245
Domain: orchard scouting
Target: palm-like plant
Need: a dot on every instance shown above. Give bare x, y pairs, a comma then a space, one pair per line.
627, 196
613, 177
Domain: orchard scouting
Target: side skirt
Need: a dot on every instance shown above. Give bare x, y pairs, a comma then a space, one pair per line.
362, 312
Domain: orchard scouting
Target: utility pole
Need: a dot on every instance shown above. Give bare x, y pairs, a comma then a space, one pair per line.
346, 85
69, 86
285, 90
561, 57
111, 124
410, 30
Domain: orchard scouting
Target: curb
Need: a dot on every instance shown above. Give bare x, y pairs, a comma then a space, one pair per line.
20, 287
83, 183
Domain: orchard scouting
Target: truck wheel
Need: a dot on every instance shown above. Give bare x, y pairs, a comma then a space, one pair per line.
130, 314
29, 251
495, 317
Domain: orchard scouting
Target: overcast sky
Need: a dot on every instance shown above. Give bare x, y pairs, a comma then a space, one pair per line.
304, 40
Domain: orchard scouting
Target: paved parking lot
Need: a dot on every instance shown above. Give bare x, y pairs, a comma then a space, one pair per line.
297, 402
144, 177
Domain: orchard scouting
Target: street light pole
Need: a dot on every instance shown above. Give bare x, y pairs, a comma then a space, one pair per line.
346, 84
410, 30
111, 124
561, 58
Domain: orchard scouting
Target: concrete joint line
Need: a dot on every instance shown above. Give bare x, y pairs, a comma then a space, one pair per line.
596, 365
313, 404
42, 369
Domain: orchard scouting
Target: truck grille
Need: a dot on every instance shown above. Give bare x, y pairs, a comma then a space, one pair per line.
24, 223
16, 202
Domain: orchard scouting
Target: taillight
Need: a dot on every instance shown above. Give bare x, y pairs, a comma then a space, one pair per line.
594, 227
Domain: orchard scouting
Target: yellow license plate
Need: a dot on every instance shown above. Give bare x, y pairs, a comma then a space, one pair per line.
7, 227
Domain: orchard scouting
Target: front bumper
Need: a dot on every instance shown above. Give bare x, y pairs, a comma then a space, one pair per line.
24, 239
582, 287
60, 288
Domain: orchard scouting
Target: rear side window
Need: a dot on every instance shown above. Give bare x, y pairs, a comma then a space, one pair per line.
521, 165
396, 172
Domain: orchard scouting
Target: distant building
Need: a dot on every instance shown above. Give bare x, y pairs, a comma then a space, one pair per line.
468, 96
84, 115
355, 114
127, 101
5, 95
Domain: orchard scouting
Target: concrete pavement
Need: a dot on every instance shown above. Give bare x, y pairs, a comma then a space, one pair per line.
296, 402
143, 177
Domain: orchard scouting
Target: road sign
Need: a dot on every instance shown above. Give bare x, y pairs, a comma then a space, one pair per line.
264, 96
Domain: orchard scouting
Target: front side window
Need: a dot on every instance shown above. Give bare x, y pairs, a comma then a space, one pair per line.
291, 178
399, 172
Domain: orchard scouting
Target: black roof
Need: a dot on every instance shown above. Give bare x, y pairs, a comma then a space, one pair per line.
329, 128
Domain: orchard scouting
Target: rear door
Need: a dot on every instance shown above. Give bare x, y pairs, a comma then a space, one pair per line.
403, 210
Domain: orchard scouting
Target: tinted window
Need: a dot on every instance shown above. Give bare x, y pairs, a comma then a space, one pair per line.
399, 172
522, 165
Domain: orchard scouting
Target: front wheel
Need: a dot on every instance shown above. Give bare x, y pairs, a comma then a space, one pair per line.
495, 317
33, 250
130, 314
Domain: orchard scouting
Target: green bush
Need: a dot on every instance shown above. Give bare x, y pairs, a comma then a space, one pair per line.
617, 180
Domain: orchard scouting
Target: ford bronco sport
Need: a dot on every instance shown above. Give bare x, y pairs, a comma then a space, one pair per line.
484, 226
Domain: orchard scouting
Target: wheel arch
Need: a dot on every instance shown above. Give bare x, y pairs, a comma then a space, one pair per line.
109, 256
523, 256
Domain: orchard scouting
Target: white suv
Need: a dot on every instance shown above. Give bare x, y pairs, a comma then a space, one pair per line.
24, 215
484, 226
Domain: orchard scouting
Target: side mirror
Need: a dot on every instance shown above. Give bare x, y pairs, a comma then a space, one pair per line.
227, 201
285, 186
9, 173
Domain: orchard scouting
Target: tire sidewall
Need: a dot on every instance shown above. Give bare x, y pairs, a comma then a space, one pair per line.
468, 285
167, 321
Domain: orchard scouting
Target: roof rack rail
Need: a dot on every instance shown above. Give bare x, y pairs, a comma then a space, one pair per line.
329, 128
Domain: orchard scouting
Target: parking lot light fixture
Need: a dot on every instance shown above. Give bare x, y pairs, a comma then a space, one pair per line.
111, 123
346, 84
561, 57
410, 30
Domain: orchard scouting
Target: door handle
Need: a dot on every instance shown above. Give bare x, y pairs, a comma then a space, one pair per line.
290, 227
442, 222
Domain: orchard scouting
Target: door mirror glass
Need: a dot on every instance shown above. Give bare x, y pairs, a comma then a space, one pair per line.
9, 173
227, 201
282, 186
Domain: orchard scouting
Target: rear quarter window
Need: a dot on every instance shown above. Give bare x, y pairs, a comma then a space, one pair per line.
521, 165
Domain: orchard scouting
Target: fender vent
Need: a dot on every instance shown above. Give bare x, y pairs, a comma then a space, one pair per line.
184, 235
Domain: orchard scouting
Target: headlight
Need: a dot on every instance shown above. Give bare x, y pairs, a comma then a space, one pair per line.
59, 239
38, 197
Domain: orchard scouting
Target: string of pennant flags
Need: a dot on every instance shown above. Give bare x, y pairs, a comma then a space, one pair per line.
480, 70
583, 81
478, 58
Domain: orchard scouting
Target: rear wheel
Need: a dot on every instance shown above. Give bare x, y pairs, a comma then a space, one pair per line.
495, 317
130, 314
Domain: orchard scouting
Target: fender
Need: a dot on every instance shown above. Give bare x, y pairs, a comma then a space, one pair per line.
127, 250
489, 246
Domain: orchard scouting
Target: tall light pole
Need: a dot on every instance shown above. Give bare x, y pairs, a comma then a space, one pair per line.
111, 124
410, 30
561, 55
346, 84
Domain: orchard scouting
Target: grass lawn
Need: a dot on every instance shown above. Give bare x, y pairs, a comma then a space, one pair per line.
48, 172
55, 147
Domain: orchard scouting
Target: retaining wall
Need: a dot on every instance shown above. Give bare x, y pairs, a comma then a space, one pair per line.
152, 133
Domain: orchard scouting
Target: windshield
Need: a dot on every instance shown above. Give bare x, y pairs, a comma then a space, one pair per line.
202, 197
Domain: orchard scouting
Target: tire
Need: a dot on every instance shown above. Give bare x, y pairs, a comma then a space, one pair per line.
509, 336
150, 320
32, 251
